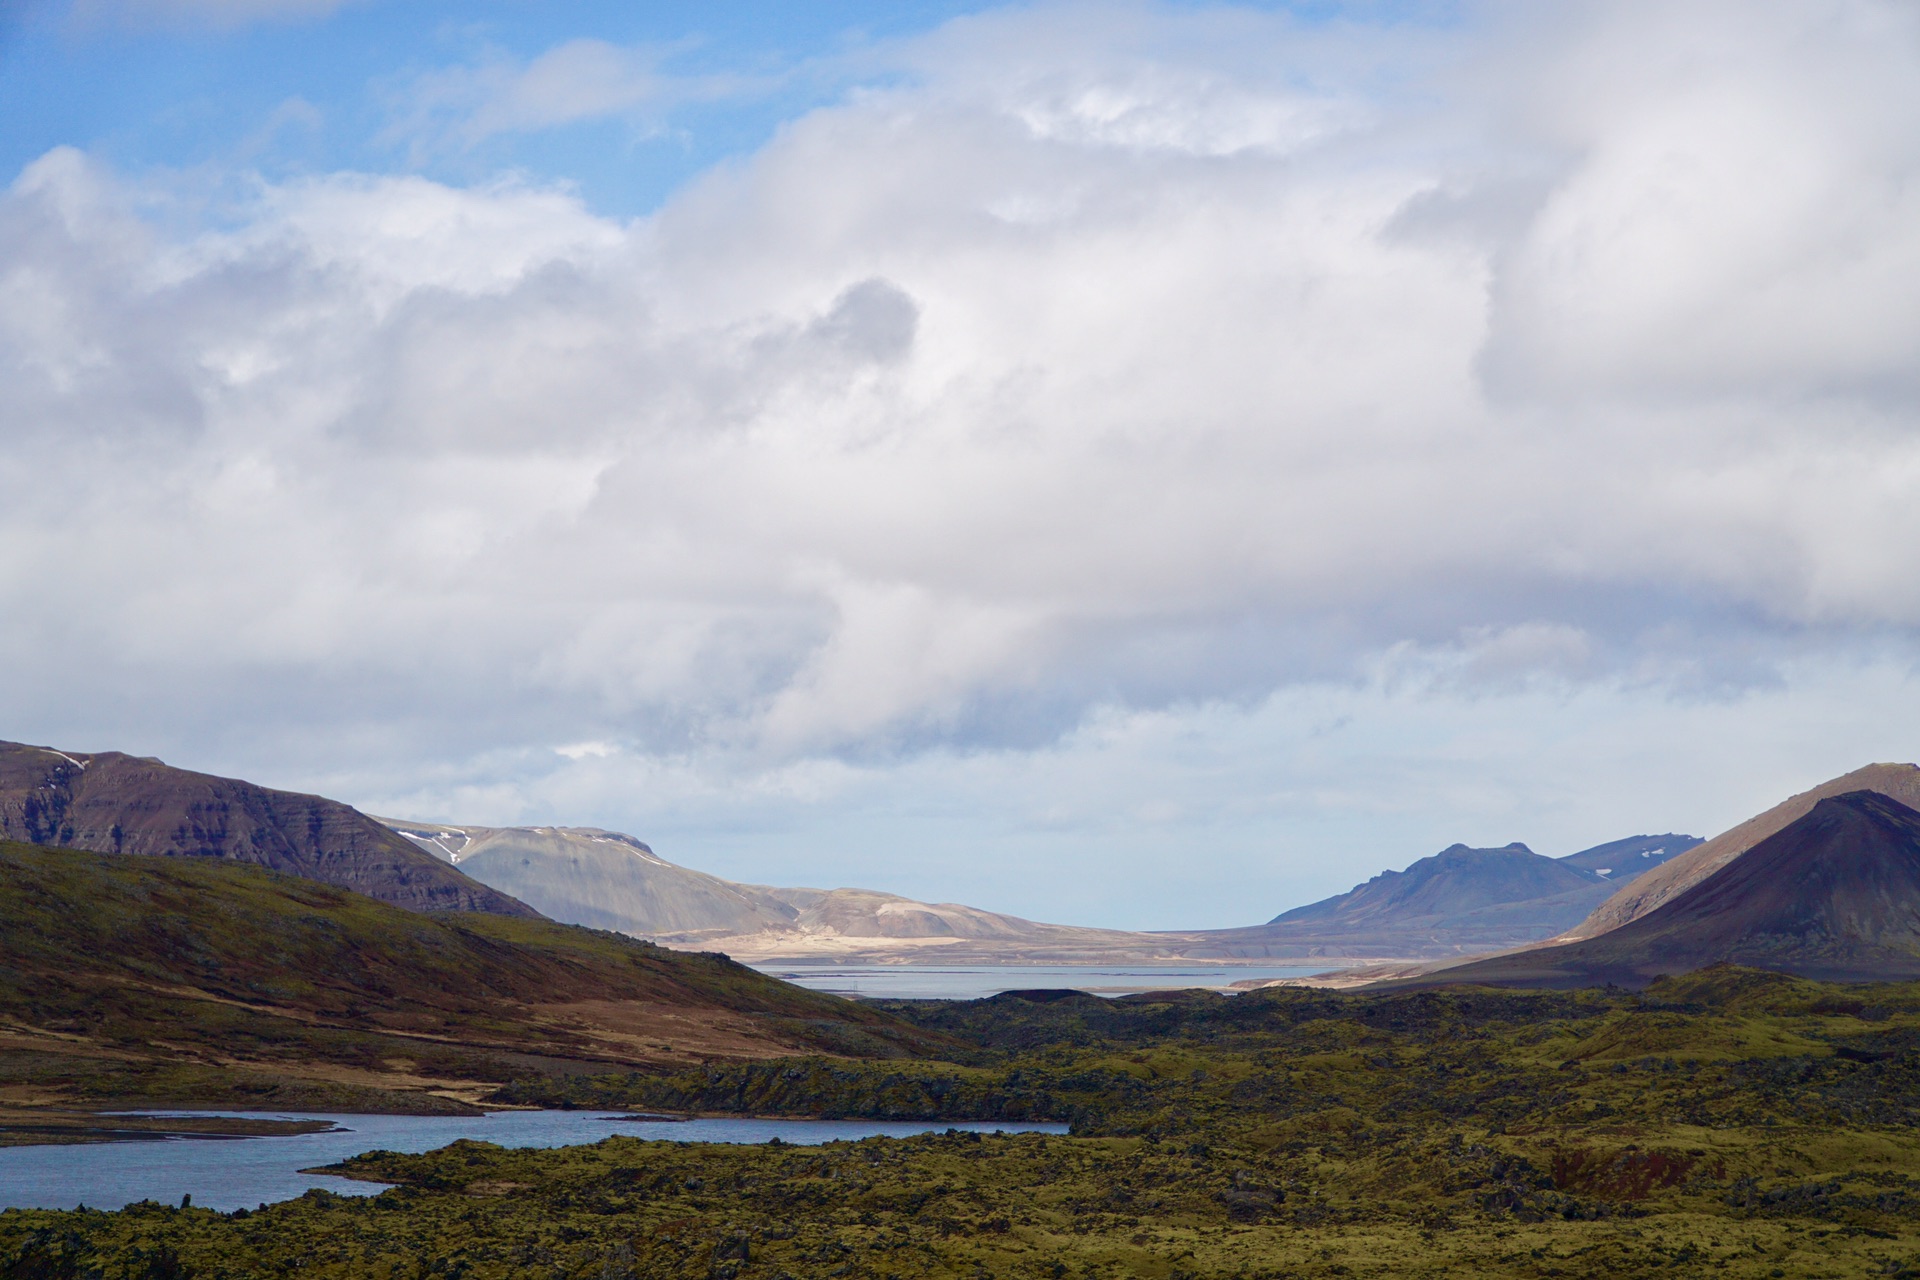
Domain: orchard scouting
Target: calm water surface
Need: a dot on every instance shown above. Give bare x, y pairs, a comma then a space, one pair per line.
973, 982
242, 1173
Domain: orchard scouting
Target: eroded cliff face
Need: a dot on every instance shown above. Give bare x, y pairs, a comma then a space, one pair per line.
114, 803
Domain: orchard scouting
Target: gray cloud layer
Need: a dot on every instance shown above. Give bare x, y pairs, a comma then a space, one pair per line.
1130, 362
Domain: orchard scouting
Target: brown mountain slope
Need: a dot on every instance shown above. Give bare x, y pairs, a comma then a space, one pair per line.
129, 976
114, 803
1677, 875
1834, 895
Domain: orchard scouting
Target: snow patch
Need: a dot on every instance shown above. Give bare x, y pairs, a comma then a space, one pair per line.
435, 842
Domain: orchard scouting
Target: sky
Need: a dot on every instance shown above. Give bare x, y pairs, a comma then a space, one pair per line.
1130, 464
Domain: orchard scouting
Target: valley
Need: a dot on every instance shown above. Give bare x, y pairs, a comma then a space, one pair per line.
1728, 1081
1455, 903
1733, 1123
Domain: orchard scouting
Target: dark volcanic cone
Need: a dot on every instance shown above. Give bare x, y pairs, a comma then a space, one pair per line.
1834, 895
114, 803
1678, 874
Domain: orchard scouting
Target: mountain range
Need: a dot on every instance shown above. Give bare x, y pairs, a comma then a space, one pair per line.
1458, 902
1825, 884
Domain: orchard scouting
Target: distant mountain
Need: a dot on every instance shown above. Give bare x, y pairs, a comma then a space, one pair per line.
113, 803
199, 980
603, 879
1452, 883
1460, 881
1622, 860
1664, 883
1833, 895
1457, 902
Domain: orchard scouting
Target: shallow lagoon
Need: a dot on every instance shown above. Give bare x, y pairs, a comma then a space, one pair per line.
243, 1173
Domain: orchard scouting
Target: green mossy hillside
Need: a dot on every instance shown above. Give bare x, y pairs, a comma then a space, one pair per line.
136, 979
1286, 1133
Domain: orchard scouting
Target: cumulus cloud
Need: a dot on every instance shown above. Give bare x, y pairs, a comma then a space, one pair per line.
1173, 360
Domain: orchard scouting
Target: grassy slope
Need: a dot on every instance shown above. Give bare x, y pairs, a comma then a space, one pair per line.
137, 978
1730, 1123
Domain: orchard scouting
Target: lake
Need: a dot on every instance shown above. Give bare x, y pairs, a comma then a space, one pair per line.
243, 1173
974, 982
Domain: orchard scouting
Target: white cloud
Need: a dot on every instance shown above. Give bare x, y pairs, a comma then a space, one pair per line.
1095, 369
1220, 814
1742, 216
578, 80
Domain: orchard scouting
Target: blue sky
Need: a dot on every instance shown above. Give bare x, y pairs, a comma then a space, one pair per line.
313, 91
1121, 463
293, 88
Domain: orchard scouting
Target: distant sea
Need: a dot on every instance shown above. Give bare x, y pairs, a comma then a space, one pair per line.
975, 982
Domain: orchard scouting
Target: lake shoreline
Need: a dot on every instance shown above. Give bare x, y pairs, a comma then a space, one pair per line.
225, 1176
71, 1127
77, 1126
